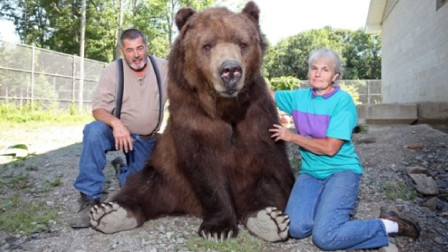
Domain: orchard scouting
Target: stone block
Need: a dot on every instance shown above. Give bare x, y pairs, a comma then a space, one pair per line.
392, 113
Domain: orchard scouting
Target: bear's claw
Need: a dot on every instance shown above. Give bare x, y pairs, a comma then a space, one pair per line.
269, 224
217, 237
110, 217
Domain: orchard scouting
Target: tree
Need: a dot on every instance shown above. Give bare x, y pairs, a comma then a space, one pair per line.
55, 24
31, 21
156, 20
284, 83
360, 53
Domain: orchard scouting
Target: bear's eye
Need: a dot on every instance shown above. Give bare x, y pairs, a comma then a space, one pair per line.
207, 47
242, 45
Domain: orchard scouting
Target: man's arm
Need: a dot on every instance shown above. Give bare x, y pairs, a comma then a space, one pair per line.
122, 136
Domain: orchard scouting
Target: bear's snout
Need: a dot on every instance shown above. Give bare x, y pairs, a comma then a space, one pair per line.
231, 72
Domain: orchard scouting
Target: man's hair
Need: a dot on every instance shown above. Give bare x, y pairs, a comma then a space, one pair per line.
131, 34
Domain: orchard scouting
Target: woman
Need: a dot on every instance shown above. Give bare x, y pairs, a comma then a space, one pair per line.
327, 187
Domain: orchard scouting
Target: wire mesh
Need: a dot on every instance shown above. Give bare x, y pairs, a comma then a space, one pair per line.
29, 75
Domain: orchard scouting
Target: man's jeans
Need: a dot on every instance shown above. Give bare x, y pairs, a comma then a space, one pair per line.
98, 139
322, 207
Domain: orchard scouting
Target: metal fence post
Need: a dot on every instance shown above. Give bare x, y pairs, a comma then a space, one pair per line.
33, 63
81, 83
73, 78
368, 92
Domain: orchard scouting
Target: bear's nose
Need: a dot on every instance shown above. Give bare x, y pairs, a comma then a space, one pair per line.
231, 72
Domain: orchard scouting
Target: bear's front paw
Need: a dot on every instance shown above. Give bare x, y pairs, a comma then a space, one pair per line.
269, 224
218, 232
110, 218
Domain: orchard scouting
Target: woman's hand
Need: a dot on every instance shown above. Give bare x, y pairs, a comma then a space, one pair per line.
281, 133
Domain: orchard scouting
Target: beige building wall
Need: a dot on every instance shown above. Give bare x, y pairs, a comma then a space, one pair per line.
414, 51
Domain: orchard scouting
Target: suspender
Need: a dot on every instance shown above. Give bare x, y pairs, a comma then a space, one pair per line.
120, 88
159, 84
120, 83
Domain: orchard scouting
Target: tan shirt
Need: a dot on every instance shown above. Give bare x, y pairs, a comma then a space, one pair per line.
140, 105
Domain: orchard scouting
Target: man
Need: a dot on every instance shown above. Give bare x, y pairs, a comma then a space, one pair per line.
133, 132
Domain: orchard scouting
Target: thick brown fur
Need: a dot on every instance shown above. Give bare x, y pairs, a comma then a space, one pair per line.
215, 159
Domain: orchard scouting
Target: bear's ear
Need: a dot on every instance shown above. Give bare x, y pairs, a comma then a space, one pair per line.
252, 10
182, 16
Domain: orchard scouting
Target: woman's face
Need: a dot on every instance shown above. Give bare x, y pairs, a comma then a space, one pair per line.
321, 76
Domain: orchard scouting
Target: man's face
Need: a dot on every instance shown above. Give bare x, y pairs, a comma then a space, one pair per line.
135, 53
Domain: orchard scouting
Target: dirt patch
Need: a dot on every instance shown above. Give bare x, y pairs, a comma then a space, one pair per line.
384, 152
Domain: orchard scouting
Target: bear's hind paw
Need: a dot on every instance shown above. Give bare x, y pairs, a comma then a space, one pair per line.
110, 218
269, 224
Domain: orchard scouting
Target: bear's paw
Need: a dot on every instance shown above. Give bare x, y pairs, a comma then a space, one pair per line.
110, 217
223, 236
218, 230
269, 224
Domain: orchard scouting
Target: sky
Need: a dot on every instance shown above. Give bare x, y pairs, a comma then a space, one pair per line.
283, 18
7, 32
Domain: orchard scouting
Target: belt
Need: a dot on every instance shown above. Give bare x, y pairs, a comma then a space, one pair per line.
147, 137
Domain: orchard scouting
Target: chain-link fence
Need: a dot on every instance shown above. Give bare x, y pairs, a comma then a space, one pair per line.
362, 91
30, 75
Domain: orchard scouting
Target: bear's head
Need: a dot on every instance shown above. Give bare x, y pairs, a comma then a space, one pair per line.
217, 50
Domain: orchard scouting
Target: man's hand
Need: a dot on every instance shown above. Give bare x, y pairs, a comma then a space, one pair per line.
122, 136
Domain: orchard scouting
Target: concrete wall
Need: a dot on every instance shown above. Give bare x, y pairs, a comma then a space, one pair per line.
414, 52
387, 114
434, 113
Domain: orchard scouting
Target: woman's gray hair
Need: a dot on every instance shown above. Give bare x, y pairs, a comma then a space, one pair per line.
330, 55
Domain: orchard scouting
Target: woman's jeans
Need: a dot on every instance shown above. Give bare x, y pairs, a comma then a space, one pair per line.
98, 139
322, 207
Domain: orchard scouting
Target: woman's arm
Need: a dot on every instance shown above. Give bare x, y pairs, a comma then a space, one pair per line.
326, 146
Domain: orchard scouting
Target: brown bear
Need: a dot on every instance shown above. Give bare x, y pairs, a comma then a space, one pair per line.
215, 159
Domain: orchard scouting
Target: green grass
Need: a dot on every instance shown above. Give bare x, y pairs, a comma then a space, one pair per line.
35, 113
56, 182
398, 190
18, 216
15, 182
295, 164
243, 242
31, 168
23, 182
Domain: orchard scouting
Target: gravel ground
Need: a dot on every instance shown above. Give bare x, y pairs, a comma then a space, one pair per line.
385, 152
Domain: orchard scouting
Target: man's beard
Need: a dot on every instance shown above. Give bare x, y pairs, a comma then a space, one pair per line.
136, 67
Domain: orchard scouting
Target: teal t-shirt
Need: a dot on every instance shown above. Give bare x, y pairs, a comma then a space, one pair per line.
332, 115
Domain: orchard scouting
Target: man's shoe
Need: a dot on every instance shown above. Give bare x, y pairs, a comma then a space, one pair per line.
407, 226
118, 163
82, 219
